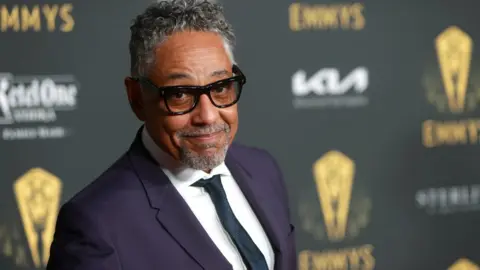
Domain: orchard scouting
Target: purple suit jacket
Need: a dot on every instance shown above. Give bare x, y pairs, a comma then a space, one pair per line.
132, 217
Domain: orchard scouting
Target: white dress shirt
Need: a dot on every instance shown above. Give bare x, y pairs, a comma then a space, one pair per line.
203, 208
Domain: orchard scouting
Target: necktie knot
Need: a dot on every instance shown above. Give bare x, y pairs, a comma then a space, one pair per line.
206, 182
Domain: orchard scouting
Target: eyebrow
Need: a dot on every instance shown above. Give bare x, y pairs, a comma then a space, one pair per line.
178, 75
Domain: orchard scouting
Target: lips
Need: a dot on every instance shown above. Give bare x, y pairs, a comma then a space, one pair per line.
206, 138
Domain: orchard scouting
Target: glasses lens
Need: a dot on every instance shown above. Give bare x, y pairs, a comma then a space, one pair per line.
179, 100
225, 94
222, 95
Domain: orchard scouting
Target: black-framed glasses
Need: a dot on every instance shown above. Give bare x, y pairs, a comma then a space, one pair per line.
183, 99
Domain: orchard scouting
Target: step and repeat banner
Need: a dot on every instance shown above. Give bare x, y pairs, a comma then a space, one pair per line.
370, 107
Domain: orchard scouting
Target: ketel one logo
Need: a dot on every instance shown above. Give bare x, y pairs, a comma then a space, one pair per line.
38, 196
334, 174
454, 53
464, 264
33, 99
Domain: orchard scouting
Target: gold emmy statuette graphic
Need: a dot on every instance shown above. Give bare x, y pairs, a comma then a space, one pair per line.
38, 198
464, 264
334, 174
454, 52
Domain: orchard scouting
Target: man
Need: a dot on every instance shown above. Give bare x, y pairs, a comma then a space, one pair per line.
184, 197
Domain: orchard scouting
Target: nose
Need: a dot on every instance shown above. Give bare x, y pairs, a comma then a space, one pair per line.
205, 113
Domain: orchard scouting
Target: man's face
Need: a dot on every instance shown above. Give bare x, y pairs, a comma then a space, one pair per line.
200, 138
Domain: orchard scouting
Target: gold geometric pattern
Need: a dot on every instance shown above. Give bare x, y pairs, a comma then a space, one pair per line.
464, 264
334, 173
454, 53
38, 196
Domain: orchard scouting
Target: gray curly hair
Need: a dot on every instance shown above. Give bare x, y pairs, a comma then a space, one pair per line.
163, 18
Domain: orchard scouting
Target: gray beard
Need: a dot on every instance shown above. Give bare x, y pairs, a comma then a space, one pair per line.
197, 161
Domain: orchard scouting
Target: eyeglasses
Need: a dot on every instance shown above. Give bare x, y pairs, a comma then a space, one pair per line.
183, 99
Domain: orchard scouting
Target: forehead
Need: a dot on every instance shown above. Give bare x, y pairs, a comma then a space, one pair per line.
192, 51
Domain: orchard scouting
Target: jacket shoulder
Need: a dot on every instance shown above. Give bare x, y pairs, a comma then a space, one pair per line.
250, 155
261, 165
109, 188
256, 161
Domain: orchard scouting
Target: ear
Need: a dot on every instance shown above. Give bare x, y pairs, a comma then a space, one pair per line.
134, 93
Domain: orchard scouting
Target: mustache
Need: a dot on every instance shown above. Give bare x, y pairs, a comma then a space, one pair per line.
205, 130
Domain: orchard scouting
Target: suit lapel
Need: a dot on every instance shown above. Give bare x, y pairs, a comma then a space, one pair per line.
173, 212
257, 195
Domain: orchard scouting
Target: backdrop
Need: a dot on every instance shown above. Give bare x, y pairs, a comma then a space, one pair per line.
370, 108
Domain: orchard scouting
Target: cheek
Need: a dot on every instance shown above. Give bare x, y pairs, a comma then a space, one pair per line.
173, 124
230, 116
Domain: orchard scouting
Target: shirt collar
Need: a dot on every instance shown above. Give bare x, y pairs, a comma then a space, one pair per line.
179, 174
